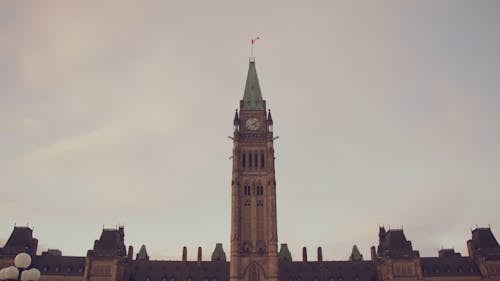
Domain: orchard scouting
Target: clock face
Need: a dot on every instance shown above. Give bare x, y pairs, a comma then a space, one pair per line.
252, 124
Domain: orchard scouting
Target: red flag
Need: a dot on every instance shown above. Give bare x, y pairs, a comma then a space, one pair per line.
254, 39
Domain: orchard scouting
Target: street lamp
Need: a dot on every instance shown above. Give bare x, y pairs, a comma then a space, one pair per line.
19, 271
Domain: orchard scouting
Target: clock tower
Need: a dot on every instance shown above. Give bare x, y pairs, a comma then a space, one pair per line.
254, 252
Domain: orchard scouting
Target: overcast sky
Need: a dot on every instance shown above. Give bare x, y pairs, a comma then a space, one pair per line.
118, 112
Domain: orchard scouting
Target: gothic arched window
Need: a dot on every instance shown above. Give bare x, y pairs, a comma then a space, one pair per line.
254, 274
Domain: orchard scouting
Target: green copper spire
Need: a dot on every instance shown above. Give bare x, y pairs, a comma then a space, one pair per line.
252, 99
355, 254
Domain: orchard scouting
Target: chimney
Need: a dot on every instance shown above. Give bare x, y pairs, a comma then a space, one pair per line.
121, 231
373, 253
199, 254
470, 248
304, 254
130, 253
184, 253
320, 254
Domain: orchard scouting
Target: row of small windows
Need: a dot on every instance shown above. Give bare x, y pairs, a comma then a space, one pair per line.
330, 268
448, 269
177, 268
252, 160
260, 203
58, 269
259, 190
338, 278
173, 279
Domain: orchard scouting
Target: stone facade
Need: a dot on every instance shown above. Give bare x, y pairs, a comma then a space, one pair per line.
254, 254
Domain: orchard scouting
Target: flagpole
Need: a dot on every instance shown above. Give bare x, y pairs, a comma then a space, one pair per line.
252, 42
251, 50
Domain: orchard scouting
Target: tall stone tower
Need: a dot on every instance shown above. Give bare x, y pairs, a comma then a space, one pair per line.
254, 252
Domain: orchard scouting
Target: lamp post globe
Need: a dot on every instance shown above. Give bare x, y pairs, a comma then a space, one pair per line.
35, 274
30, 275
11, 273
26, 275
19, 272
22, 260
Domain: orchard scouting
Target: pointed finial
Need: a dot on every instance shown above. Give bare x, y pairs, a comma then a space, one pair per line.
236, 120
269, 117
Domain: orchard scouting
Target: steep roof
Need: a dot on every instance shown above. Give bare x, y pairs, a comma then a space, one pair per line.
111, 243
142, 254
177, 270
393, 243
355, 254
484, 238
219, 270
20, 240
252, 97
218, 253
284, 253
448, 266
328, 270
485, 243
59, 265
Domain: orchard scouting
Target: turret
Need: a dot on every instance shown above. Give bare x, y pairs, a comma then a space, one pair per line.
355, 254
142, 255
218, 254
270, 121
284, 254
236, 121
